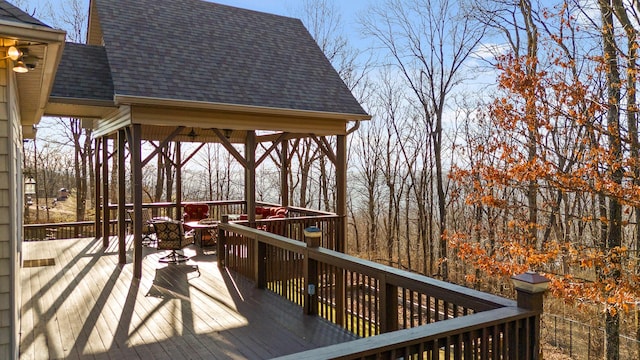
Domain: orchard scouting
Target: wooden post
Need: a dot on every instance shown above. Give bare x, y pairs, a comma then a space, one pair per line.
530, 288
106, 229
136, 174
311, 281
97, 202
341, 191
122, 225
284, 172
220, 244
341, 231
389, 306
260, 264
178, 209
250, 176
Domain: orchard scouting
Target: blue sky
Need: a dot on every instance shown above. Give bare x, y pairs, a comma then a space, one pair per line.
349, 10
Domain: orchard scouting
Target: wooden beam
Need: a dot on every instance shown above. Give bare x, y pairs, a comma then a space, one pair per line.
250, 176
136, 174
341, 189
162, 144
161, 152
270, 149
303, 122
97, 189
275, 136
341, 211
122, 225
325, 148
178, 213
284, 172
193, 153
106, 229
232, 150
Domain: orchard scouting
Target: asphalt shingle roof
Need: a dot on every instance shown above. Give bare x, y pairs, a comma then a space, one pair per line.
83, 74
199, 51
9, 12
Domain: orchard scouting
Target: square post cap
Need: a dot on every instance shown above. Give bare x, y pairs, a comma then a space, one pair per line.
531, 282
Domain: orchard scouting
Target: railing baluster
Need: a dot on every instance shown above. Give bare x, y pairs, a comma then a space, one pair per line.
375, 292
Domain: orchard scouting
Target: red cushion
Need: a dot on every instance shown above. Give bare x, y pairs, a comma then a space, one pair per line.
196, 211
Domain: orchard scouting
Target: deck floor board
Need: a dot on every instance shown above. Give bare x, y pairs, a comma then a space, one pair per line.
87, 306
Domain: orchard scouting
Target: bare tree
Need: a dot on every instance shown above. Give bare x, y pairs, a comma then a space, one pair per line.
71, 15
428, 42
324, 22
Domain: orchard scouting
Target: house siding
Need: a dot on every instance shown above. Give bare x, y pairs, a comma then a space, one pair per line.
10, 214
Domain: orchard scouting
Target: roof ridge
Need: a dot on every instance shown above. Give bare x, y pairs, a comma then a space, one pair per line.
237, 8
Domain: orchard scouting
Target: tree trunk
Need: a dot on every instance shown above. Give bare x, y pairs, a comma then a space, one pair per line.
442, 200
632, 113
612, 322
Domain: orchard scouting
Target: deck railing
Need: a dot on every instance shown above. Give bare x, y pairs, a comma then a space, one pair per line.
412, 316
216, 209
83, 229
167, 209
292, 226
68, 230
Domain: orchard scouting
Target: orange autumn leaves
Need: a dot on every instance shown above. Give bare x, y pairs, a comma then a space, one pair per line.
549, 127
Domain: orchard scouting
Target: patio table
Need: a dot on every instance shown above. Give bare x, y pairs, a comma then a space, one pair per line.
211, 226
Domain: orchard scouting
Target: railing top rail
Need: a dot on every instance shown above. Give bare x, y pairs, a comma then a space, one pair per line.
320, 212
361, 348
63, 224
446, 291
266, 237
470, 298
296, 208
296, 219
168, 204
225, 202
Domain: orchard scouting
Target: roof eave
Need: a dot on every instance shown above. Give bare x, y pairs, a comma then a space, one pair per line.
54, 40
48, 76
30, 32
147, 101
79, 101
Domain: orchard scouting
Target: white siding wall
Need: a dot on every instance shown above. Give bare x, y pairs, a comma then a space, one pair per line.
11, 202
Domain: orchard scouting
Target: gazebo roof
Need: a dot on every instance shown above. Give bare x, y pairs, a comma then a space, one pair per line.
198, 54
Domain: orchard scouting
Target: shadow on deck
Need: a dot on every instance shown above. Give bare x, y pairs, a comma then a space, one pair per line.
82, 304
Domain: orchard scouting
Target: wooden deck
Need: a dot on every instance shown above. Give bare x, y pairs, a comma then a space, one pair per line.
82, 304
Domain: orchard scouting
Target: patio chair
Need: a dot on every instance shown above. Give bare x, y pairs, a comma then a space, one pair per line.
171, 236
148, 230
196, 212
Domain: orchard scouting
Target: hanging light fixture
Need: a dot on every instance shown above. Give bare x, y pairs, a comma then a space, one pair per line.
29, 186
20, 67
23, 62
13, 53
